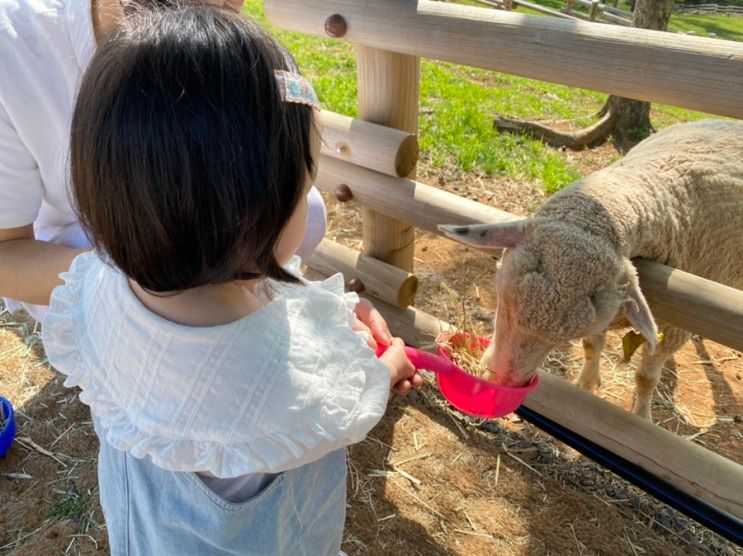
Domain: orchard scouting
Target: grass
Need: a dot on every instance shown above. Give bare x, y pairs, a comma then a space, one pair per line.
77, 508
458, 105
72, 506
725, 27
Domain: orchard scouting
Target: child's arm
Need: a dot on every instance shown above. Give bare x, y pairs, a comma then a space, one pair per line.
370, 320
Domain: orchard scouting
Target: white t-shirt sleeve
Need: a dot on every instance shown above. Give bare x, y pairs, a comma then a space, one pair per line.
316, 223
21, 189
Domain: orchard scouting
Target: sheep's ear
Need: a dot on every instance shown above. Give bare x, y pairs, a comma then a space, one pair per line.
636, 308
495, 236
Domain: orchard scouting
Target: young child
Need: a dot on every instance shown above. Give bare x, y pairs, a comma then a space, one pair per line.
223, 387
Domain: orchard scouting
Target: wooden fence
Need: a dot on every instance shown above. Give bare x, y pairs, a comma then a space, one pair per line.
361, 163
603, 13
596, 10
706, 9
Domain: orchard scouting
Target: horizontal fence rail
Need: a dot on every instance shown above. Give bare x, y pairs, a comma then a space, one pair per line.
365, 274
710, 9
377, 147
712, 310
679, 462
690, 72
704, 307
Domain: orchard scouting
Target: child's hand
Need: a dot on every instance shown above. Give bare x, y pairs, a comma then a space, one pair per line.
403, 376
368, 319
359, 326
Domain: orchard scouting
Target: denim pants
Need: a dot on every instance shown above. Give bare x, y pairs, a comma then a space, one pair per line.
151, 511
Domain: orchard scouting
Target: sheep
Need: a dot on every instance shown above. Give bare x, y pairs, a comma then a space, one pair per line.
566, 273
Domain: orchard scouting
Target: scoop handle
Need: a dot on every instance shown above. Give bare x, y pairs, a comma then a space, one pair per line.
423, 360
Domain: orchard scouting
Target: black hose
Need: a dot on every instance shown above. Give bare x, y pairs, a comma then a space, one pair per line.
700, 511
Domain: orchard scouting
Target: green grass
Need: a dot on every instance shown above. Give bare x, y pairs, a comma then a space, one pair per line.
725, 27
458, 105
75, 507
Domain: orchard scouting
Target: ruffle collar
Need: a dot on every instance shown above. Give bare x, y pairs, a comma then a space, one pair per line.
286, 383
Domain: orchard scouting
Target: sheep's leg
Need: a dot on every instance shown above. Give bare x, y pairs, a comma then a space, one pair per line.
590, 377
648, 373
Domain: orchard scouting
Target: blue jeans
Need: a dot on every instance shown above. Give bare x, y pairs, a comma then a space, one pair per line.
151, 511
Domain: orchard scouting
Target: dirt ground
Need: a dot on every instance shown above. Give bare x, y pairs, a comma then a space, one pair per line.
427, 480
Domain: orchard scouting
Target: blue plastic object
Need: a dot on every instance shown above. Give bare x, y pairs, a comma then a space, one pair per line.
7, 433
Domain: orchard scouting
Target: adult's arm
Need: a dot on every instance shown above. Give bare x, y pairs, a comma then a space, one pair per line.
29, 269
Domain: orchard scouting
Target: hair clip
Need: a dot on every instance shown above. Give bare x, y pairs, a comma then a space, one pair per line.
296, 89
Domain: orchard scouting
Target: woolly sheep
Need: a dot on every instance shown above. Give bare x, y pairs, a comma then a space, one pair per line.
676, 198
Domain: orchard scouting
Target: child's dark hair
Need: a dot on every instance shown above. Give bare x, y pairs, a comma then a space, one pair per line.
186, 163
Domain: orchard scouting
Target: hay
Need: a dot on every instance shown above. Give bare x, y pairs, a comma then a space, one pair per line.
463, 346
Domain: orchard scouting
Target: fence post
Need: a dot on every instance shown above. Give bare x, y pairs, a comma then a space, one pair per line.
594, 12
388, 85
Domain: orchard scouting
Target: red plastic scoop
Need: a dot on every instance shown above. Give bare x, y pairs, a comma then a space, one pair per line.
464, 391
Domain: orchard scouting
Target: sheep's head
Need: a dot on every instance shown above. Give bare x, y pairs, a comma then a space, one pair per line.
556, 283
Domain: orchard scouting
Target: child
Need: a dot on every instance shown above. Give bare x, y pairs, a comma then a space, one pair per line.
223, 386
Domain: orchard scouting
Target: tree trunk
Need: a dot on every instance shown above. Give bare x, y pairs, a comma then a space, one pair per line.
653, 14
624, 119
632, 117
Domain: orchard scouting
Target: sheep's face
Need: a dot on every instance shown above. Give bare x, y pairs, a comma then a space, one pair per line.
558, 284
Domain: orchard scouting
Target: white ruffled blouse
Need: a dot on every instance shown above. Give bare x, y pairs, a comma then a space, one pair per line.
277, 389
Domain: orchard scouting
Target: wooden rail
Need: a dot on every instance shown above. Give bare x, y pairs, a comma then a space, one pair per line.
616, 11
417, 203
701, 306
710, 9
648, 65
691, 72
616, 19
678, 461
597, 13
543, 10
500, 5
377, 147
626, 16
381, 280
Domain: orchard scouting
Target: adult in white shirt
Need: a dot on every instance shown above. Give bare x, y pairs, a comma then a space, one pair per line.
45, 46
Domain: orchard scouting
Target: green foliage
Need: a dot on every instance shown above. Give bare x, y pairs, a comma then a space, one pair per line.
458, 106
76, 507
